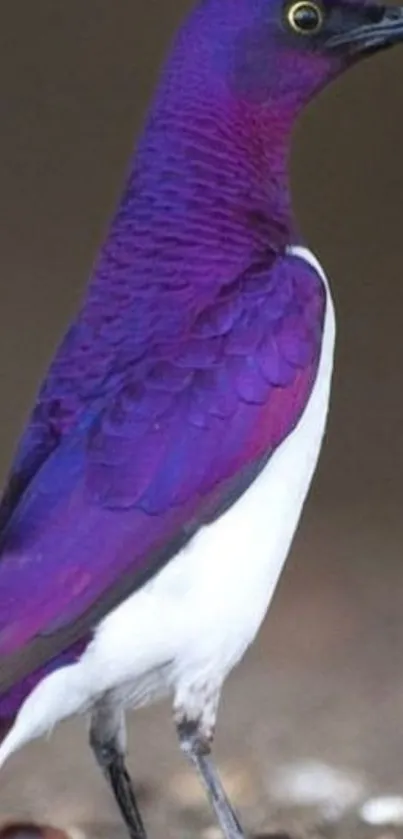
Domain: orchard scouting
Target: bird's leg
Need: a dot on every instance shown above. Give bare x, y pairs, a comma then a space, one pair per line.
195, 739
107, 740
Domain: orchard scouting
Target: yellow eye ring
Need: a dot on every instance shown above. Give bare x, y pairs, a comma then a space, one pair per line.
305, 17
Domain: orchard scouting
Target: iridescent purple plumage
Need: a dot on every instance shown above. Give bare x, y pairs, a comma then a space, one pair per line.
192, 359
195, 318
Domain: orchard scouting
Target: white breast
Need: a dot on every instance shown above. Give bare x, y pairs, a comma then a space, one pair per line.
193, 621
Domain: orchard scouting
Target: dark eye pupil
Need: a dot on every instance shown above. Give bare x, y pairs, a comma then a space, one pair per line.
306, 18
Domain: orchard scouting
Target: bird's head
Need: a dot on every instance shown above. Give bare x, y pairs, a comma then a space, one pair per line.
239, 74
290, 50
285, 51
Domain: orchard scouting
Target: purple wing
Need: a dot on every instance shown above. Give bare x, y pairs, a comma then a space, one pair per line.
108, 334
158, 447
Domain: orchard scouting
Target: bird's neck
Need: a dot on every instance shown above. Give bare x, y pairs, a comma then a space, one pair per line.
209, 183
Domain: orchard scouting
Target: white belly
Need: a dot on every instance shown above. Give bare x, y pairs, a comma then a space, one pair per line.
194, 620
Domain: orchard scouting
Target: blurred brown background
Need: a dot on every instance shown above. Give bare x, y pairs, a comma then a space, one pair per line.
324, 683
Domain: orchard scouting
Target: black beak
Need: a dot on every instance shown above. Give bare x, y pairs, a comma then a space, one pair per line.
370, 36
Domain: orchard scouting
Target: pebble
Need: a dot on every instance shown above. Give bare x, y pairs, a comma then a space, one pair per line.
383, 809
29, 830
211, 832
315, 784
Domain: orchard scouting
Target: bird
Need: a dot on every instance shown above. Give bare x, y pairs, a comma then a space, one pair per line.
162, 473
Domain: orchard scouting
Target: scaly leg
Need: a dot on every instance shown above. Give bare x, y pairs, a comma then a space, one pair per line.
195, 739
107, 740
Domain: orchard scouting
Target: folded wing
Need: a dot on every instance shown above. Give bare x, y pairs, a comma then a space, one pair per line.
165, 444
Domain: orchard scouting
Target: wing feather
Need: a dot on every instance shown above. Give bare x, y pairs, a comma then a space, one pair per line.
154, 450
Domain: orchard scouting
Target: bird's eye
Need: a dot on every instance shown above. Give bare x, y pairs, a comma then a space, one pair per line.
305, 18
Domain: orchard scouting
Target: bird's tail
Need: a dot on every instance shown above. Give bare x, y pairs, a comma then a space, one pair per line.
9, 706
5, 725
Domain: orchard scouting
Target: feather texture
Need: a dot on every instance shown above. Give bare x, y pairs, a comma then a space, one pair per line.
178, 434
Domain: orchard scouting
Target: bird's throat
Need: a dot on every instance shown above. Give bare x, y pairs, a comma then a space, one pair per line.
209, 183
